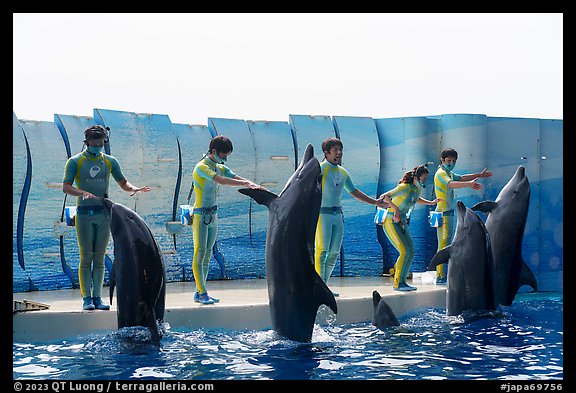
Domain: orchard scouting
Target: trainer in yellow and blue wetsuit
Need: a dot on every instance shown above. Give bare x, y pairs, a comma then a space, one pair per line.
90, 171
330, 227
402, 198
208, 175
445, 181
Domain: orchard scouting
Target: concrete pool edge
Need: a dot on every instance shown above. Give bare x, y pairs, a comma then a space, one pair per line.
243, 306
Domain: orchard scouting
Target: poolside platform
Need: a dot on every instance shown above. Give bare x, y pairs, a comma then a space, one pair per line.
243, 305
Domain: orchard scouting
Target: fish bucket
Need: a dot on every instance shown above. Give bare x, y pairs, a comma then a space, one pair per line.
185, 214
70, 214
435, 219
380, 215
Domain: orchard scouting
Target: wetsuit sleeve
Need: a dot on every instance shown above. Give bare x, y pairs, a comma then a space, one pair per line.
393, 192
349, 185
205, 172
456, 176
70, 171
115, 170
227, 172
442, 178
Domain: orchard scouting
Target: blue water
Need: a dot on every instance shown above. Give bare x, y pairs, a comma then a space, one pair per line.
522, 341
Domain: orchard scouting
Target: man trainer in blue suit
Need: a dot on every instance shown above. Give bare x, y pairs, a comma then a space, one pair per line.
330, 227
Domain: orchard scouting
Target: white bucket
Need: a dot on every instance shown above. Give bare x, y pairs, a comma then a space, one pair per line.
380, 215
70, 214
185, 217
435, 219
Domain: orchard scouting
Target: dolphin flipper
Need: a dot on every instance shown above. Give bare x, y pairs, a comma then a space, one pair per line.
440, 257
112, 281
485, 206
323, 295
527, 277
262, 197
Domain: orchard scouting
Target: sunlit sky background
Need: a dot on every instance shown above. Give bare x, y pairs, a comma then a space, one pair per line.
268, 66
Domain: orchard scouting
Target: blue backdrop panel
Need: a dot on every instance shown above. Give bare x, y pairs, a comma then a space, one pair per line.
361, 158
506, 155
391, 140
41, 245
71, 129
551, 205
421, 141
194, 141
146, 148
242, 260
467, 134
311, 129
275, 157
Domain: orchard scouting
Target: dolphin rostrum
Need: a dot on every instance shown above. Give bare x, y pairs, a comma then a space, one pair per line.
138, 271
383, 315
295, 290
505, 223
469, 257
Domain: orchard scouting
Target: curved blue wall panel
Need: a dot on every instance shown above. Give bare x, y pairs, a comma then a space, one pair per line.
146, 148
361, 158
311, 129
550, 260
194, 141
44, 206
275, 157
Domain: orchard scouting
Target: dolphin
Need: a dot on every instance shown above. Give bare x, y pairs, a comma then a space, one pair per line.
295, 290
505, 223
138, 271
469, 257
383, 314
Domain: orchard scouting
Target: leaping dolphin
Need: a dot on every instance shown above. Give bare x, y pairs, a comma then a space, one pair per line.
469, 257
505, 223
138, 271
295, 290
383, 315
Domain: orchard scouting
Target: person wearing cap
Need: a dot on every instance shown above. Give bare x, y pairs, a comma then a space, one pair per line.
445, 181
402, 198
87, 177
208, 175
330, 226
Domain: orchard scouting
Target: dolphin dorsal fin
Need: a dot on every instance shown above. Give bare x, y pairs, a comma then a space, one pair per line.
527, 277
376, 299
323, 295
485, 206
441, 257
262, 197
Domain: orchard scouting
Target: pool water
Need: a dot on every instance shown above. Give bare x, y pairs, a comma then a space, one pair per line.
522, 341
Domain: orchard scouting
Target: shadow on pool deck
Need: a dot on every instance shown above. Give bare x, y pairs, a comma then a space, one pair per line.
243, 305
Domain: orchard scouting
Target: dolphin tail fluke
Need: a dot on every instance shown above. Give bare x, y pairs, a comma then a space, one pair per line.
153, 326
484, 206
262, 197
323, 295
441, 257
527, 277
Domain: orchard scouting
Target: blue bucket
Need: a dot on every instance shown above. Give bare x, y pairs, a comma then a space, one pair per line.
380, 215
185, 218
435, 219
70, 214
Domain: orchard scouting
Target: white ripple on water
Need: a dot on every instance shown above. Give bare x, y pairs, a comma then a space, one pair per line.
33, 370
147, 372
